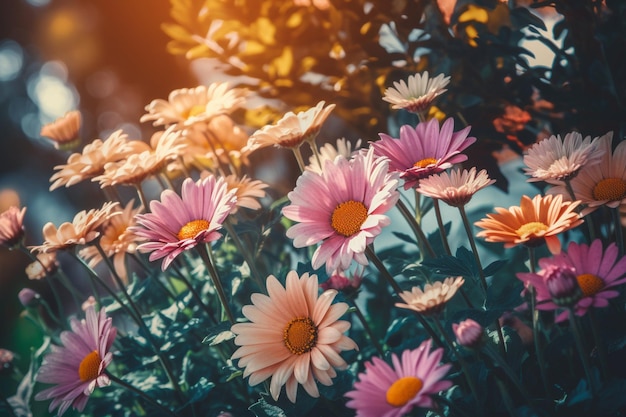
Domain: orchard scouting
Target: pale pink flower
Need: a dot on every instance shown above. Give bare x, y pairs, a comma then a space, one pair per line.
328, 152
180, 223
455, 188
393, 391
294, 336
603, 183
83, 229
433, 298
12, 226
416, 95
77, 367
556, 160
292, 130
343, 209
423, 150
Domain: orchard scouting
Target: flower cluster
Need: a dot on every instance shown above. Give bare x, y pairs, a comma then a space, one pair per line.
350, 293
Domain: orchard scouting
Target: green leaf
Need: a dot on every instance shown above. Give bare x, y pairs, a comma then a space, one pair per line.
218, 334
262, 409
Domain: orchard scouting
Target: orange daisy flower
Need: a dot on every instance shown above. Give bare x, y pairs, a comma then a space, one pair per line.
64, 131
532, 223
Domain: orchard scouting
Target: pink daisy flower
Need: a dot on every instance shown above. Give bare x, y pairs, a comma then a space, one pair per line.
294, 336
393, 391
423, 150
77, 367
596, 271
343, 208
12, 226
179, 223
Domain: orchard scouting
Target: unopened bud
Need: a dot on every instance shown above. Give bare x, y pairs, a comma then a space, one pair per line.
562, 286
29, 297
468, 333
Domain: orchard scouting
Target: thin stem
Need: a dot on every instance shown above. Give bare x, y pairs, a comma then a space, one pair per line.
600, 345
8, 406
584, 358
367, 328
419, 233
247, 256
440, 225
299, 159
204, 254
472, 242
142, 394
391, 281
65, 281
501, 363
195, 294
142, 198
506, 398
464, 366
316, 152
619, 234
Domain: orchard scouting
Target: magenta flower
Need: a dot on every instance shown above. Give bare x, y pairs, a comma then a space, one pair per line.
343, 208
77, 367
597, 273
423, 150
393, 391
468, 333
179, 223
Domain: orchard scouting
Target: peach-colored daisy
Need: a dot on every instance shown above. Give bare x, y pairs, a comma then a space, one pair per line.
46, 264
139, 166
294, 336
116, 241
416, 95
328, 152
559, 159
433, 298
247, 190
455, 188
64, 131
12, 226
603, 183
532, 223
320, 4
82, 230
187, 106
90, 162
292, 130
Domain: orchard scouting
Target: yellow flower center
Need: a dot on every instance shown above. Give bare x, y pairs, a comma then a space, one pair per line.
194, 111
531, 228
300, 335
89, 367
191, 229
403, 390
589, 284
611, 189
425, 162
348, 217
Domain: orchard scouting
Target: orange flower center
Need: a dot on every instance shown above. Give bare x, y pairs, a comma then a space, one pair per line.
89, 367
194, 111
611, 189
425, 162
300, 335
589, 284
348, 217
531, 228
403, 390
191, 229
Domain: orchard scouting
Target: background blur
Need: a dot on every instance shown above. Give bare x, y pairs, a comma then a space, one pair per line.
104, 57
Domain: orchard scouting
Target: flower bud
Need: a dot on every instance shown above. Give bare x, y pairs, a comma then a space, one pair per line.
6, 359
29, 297
468, 333
562, 286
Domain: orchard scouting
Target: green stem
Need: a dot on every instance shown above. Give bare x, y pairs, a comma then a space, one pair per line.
619, 234
499, 361
316, 153
194, 293
472, 242
367, 328
584, 358
142, 198
204, 254
299, 159
142, 394
391, 281
419, 233
440, 225
600, 345
254, 272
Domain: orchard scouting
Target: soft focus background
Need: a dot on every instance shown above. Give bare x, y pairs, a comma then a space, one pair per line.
108, 59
